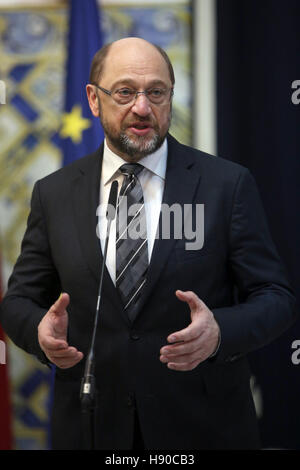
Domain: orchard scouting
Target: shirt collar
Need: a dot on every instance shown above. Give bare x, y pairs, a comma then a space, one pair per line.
155, 162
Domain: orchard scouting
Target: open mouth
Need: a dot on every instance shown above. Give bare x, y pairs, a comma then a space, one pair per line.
140, 128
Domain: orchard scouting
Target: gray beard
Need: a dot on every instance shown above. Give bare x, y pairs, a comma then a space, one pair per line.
125, 145
141, 148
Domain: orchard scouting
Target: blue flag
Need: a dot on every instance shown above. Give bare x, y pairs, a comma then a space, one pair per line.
80, 132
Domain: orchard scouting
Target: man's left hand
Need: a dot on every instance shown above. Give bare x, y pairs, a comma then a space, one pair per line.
195, 343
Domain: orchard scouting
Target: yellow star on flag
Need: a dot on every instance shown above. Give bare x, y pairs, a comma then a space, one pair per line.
73, 124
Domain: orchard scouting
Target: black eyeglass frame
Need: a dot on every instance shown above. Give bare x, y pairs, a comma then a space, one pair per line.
145, 92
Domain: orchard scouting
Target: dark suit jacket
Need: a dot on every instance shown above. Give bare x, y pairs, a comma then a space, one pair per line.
237, 274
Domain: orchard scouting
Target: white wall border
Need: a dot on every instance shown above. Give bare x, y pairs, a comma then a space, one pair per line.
204, 62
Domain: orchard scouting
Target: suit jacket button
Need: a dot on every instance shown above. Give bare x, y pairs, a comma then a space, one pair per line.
130, 400
134, 335
233, 358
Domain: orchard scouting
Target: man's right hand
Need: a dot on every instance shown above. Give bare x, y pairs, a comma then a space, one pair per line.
52, 335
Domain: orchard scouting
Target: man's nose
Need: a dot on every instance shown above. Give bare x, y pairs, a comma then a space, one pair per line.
141, 105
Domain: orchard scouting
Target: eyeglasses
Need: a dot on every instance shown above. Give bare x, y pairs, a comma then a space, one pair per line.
128, 95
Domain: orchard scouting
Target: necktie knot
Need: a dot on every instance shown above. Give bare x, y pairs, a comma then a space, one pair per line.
131, 169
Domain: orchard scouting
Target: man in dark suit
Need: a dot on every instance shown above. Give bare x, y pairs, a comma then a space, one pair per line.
171, 365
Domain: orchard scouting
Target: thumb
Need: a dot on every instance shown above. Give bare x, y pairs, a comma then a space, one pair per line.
59, 307
59, 316
191, 299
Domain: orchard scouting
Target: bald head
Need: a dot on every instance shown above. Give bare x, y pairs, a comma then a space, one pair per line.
126, 44
130, 51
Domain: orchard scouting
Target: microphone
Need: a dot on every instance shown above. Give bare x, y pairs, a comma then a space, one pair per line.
112, 201
88, 389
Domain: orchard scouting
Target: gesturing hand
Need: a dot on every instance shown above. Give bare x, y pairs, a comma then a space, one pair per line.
197, 341
52, 335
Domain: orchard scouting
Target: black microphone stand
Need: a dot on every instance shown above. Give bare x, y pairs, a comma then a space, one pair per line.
88, 383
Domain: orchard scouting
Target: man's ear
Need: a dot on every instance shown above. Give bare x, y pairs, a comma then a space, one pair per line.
93, 100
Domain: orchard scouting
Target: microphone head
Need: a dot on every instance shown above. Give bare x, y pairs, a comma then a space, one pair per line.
112, 201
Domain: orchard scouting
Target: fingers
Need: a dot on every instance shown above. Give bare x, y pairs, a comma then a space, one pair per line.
198, 316
186, 355
183, 362
183, 356
186, 334
60, 353
179, 349
52, 335
195, 343
184, 366
49, 343
65, 358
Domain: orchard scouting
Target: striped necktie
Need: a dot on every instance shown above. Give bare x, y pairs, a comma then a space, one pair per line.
131, 240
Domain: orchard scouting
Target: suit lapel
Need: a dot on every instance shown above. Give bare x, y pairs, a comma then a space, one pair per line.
86, 186
180, 187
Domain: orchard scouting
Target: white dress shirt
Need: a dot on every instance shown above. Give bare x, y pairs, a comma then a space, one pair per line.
152, 180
